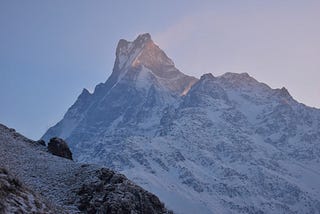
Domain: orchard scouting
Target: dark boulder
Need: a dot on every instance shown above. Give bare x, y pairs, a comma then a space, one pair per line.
60, 148
41, 142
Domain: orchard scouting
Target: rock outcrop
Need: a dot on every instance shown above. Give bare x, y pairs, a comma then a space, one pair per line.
102, 196
60, 148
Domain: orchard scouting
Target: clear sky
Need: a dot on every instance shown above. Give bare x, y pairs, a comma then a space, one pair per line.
50, 50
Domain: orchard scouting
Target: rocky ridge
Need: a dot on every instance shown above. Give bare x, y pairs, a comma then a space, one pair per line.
69, 186
59, 147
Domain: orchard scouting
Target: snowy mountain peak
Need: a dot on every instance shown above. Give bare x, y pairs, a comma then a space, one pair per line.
239, 80
237, 76
143, 81
142, 63
85, 93
127, 51
283, 93
145, 37
143, 52
124, 46
207, 76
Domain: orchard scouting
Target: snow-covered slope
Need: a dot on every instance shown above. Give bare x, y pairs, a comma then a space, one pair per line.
226, 144
68, 186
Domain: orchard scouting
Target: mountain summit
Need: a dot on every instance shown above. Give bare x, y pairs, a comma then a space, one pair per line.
143, 62
220, 144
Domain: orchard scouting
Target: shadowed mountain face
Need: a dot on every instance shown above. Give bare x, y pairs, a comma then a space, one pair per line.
226, 144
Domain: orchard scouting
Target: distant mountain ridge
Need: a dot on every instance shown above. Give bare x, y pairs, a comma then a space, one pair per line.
226, 144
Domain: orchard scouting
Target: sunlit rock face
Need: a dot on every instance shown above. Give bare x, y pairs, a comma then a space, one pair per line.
225, 144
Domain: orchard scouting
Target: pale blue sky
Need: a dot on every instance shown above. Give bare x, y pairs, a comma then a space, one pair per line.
50, 50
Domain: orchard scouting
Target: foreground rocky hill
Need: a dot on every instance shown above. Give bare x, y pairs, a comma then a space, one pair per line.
68, 186
226, 144
16, 198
